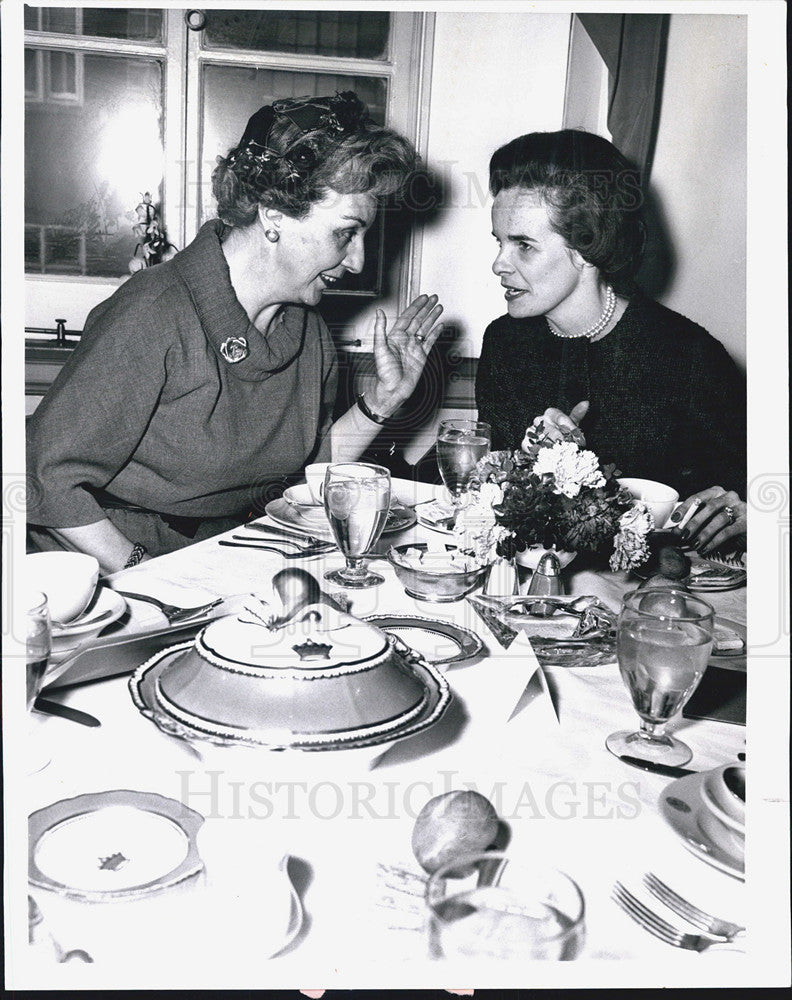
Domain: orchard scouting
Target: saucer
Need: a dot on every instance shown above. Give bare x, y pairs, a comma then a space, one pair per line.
106, 602
300, 496
682, 808
308, 519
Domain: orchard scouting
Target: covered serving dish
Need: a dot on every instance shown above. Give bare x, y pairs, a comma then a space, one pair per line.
323, 681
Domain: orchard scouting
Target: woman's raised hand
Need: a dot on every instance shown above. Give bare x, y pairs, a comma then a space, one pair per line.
719, 520
400, 354
557, 423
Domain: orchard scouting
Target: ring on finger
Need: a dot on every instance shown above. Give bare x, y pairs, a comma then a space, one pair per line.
730, 513
420, 338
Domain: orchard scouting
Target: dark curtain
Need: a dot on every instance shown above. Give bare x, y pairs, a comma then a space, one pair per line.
633, 48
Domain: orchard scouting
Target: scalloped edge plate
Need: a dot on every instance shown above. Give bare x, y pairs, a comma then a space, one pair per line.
46, 821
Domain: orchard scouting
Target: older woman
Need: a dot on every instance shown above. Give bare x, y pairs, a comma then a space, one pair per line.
654, 393
205, 378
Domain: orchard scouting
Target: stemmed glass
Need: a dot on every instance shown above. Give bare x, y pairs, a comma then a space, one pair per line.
663, 642
460, 445
356, 501
38, 646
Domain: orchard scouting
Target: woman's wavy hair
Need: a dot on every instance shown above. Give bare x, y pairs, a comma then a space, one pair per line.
592, 192
294, 152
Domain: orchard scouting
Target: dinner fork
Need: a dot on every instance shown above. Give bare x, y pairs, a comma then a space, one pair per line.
172, 612
693, 915
301, 553
659, 927
293, 536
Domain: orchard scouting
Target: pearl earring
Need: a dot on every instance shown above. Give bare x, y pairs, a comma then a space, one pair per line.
272, 235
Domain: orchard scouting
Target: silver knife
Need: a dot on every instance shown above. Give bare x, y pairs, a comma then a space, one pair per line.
648, 765
65, 712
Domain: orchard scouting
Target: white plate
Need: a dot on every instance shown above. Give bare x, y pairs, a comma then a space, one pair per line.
112, 844
105, 600
682, 807
312, 520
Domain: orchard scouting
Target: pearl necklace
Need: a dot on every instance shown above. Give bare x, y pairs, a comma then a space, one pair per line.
598, 327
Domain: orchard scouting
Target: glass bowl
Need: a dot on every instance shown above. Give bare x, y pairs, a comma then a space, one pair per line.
435, 579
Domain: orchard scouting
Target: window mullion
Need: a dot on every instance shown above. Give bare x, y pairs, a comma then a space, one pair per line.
302, 63
100, 46
175, 131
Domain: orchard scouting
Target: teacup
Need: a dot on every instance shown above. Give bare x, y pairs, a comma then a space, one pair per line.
660, 499
315, 477
728, 837
723, 791
67, 578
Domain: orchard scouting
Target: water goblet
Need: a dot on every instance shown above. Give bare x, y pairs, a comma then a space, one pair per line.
38, 646
460, 445
664, 639
356, 501
491, 906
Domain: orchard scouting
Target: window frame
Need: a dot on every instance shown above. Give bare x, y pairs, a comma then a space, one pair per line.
407, 68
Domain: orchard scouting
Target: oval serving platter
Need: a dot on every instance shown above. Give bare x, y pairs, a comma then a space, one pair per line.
144, 683
438, 633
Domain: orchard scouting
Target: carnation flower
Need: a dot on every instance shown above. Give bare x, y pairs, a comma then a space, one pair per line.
476, 528
629, 550
571, 467
638, 519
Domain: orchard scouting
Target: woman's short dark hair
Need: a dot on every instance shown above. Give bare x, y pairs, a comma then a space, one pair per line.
303, 149
592, 192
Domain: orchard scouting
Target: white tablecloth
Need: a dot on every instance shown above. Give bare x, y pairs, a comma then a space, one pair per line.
341, 816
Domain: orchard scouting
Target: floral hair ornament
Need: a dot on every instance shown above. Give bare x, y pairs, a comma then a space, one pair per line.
341, 114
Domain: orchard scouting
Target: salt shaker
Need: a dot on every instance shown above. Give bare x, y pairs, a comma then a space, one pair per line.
502, 580
546, 582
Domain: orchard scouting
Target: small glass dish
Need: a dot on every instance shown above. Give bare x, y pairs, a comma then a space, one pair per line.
435, 578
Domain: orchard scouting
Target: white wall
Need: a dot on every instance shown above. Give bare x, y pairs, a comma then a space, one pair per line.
699, 172
494, 77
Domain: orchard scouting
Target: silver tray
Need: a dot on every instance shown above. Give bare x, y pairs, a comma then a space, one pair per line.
143, 686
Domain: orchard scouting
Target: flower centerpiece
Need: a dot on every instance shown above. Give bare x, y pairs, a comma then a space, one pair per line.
555, 495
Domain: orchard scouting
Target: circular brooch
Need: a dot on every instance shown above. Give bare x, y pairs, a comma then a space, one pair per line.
234, 349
